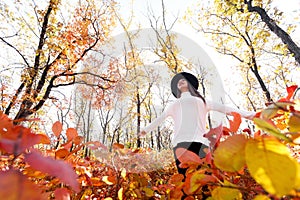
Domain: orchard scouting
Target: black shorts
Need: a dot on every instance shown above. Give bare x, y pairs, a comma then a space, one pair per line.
196, 147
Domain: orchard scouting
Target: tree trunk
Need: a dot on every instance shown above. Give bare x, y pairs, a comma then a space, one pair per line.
138, 107
285, 37
158, 139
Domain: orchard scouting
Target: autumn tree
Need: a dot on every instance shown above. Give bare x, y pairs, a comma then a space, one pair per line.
48, 46
243, 36
273, 24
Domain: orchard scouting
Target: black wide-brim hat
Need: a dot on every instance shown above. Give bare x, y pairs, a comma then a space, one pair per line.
187, 76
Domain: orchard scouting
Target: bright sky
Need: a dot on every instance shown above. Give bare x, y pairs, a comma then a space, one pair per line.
178, 7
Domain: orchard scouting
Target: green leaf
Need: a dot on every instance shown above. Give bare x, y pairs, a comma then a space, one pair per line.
230, 155
271, 165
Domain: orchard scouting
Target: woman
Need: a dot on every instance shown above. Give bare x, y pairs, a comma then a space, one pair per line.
189, 113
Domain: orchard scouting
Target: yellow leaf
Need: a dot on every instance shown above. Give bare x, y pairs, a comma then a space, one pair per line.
223, 193
294, 123
230, 154
261, 197
106, 180
120, 194
123, 173
86, 193
269, 128
272, 166
149, 192
295, 137
195, 180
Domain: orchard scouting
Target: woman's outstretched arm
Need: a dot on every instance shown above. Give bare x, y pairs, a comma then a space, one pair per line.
213, 106
154, 124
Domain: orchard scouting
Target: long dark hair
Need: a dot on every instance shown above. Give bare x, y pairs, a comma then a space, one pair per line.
193, 92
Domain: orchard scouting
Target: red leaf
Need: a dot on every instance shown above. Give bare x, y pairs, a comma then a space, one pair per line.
62, 194
7, 145
214, 135
19, 139
71, 133
6, 124
57, 168
57, 128
209, 158
14, 185
226, 131
290, 90
186, 156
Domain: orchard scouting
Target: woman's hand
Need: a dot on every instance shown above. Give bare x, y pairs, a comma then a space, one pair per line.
254, 115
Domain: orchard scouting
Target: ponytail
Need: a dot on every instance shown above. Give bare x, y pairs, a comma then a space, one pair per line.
196, 93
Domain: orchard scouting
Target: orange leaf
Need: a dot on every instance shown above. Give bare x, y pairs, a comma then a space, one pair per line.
44, 139
176, 194
235, 123
78, 140
57, 128
71, 133
176, 179
57, 168
118, 146
62, 153
14, 185
67, 145
95, 181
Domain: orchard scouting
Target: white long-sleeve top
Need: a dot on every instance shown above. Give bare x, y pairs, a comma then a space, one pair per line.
189, 115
